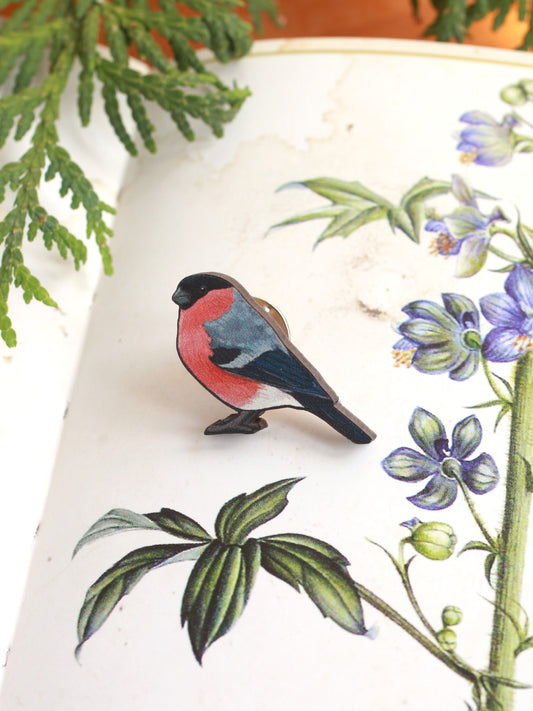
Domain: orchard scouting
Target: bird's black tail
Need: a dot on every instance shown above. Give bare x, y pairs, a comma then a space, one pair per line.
341, 420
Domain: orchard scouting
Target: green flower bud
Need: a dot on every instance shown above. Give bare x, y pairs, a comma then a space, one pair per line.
433, 540
451, 615
514, 94
447, 639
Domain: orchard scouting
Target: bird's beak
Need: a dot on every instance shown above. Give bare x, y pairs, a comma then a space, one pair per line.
181, 298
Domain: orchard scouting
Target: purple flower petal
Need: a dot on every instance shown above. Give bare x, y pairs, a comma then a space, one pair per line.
501, 310
430, 311
466, 147
407, 464
494, 157
427, 430
478, 118
519, 285
436, 226
436, 359
481, 474
466, 437
439, 493
424, 333
467, 368
404, 344
465, 221
462, 309
502, 345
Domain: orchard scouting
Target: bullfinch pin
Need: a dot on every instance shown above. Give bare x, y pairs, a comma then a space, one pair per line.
236, 350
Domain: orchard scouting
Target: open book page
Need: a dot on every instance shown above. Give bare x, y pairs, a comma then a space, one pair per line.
36, 377
381, 116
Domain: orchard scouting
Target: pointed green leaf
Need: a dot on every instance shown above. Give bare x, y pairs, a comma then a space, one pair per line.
217, 592
316, 214
489, 403
179, 525
501, 414
225, 514
526, 644
489, 564
475, 546
167, 520
416, 212
529, 473
351, 220
399, 218
506, 383
197, 577
308, 542
113, 522
424, 189
248, 511
103, 596
325, 580
342, 192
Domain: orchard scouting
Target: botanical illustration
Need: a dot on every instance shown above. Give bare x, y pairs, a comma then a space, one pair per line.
448, 335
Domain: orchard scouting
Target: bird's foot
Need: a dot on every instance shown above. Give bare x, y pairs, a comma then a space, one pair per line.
243, 422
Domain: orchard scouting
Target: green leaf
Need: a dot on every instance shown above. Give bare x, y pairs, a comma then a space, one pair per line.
112, 109
269, 7
424, 189
167, 520
217, 591
104, 595
112, 522
144, 125
489, 403
239, 516
525, 644
451, 23
501, 414
489, 564
524, 235
399, 218
179, 525
341, 192
351, 220
475, 546
321, 574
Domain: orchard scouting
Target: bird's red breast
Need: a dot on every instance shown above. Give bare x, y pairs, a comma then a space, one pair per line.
194, 349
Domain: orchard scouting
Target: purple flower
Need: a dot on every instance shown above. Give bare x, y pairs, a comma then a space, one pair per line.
512, 315
440, 339
485, 141
442, 464
465, 231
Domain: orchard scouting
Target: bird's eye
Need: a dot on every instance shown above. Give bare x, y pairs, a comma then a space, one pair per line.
203, 289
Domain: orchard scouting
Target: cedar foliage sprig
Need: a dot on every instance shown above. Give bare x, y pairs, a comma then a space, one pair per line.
454, 17
64, 33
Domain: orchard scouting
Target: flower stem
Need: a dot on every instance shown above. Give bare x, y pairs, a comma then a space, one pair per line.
503, 255
481, 524
507, 609
458, 666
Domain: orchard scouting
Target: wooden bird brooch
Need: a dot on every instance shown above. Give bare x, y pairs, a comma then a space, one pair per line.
238, 351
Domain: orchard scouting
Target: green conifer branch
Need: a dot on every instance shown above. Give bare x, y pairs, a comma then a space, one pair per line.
455, 17
66, 32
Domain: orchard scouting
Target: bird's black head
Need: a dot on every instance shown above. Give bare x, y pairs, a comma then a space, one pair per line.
194, 287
